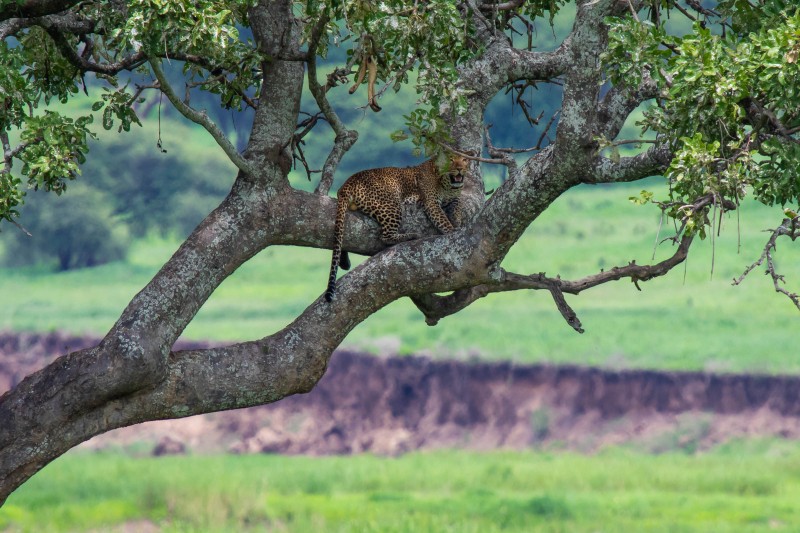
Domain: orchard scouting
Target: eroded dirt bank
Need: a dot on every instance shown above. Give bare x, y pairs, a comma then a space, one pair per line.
392, 405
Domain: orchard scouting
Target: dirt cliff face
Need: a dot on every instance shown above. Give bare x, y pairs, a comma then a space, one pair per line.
393, 405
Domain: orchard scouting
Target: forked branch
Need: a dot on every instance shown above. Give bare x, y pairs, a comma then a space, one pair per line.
437, 307
345, 138
790, 227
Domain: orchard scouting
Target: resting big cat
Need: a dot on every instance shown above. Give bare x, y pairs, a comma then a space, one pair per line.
381, 193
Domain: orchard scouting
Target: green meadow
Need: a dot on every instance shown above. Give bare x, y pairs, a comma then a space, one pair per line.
742, 486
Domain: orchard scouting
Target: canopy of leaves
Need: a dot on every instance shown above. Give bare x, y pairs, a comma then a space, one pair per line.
726, 74
728, 97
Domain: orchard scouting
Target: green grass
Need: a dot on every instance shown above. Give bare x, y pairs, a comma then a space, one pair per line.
744, 487
689, 319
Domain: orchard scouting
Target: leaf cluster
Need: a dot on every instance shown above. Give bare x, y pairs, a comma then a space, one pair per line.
52, 146
46, 61
728, 99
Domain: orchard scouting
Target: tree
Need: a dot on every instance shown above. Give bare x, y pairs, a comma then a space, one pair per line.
72, 231
717, 83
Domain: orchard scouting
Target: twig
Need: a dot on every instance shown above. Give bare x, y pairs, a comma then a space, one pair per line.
201, 118
789, 227
546, 130
20, 226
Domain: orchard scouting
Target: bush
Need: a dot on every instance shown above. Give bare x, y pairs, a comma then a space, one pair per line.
158, 192
74, 230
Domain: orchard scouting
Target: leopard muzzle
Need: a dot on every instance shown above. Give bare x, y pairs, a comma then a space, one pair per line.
456, 180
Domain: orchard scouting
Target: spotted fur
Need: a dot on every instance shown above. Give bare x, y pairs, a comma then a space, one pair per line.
381, 193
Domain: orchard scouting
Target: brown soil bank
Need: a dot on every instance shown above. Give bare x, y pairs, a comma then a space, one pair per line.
392, 405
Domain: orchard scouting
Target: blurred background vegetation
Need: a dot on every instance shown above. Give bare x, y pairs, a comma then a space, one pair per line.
739, 487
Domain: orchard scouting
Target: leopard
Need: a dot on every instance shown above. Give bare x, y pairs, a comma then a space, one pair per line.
381, 192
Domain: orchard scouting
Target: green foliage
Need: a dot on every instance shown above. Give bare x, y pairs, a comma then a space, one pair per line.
205, 27
10, 195
427, 131
47, 73
35, 73
728, 101
117, 103
749, 486
56, 145
434, 38
70, 231
52, 146
775, 179
132, 187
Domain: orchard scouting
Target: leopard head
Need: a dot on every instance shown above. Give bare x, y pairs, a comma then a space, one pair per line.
456, 168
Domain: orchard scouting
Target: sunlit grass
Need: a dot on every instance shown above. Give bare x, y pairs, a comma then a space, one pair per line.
743, 486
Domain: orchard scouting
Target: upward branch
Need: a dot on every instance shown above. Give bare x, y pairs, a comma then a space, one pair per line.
345, 138
201, 118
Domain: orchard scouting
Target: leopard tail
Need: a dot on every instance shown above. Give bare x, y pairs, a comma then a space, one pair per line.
338, 255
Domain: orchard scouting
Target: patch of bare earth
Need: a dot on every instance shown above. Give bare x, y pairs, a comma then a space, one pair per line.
394, 405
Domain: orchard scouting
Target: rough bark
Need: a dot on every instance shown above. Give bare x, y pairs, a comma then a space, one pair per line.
132, 375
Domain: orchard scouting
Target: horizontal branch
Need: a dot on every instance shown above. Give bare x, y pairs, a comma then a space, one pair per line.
127, 63
502, 6
437, 307
654, 160
69, 23
34, 8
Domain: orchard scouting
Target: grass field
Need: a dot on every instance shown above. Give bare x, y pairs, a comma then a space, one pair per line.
743, 487
691, 319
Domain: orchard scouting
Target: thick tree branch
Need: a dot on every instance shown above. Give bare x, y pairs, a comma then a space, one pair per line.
82, 394
68, 22
277, 35
654, 160
620, 101
578, 122
132, 376
133, 357
84, 65
501, 6
201, 118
